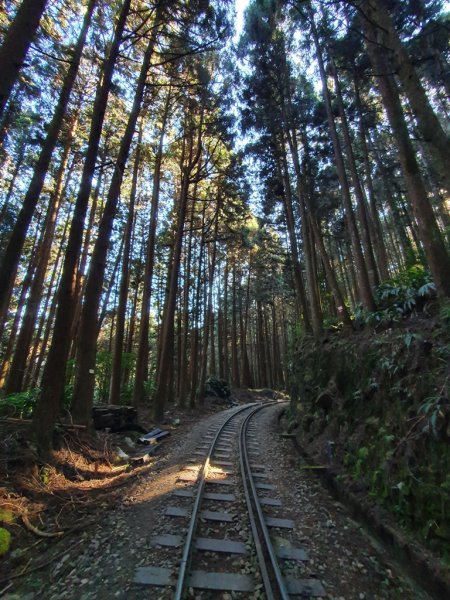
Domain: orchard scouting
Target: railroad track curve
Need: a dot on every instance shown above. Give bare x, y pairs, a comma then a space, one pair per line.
231, 460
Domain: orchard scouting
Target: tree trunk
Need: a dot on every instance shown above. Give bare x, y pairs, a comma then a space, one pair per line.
207, 331
17, 371
11, 258
359, 193
163, 385
116, 366
142, 350
184, 362
290, 222
381, 33
85, 375
12, 184
235, 375
15, 324
318, 238
196, 319
380, 249
16, 43
46, 320
224, 346
261, 354
53, 377
362, 275
435, 251
314, 300
247, 380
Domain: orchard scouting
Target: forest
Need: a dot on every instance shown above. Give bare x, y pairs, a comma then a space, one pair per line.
183, 203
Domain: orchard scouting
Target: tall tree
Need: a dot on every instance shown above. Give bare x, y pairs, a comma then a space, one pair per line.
384, 33
11, 258
434, 246
16, 43
85, 381
53, 377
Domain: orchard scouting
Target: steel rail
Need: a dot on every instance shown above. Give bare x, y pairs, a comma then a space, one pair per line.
263, 546
189, 543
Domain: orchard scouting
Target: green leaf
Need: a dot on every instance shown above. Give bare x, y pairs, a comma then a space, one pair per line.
5, 541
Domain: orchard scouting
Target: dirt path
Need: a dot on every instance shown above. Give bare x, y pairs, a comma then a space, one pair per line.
102, 563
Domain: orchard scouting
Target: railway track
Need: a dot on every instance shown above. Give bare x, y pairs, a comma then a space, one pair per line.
227, 469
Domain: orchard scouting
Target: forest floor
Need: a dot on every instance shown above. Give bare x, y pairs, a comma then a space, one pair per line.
81, 527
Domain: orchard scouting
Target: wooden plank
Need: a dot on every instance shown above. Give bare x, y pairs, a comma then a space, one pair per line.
210, 515
231, 582
219, 497
281, 523
183, 493
176, 511
153, 576
264, 486
220, 481
269, 501
173, 541
220, 545
292, 554
310, 588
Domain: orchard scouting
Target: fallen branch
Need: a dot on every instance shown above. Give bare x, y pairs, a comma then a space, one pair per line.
29, 421
26, 521
5, 589
38, 532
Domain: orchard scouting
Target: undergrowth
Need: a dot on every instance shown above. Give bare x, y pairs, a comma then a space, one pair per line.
379, 397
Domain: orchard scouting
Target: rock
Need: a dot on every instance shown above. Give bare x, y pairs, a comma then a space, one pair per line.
122, 455
214, 386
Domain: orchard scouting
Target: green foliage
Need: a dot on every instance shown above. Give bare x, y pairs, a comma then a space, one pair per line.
434, 410
5, 541
390, 418
399, 296
410, 337
401, 293
445, 313
44, 475
6, 516
361, 461
19, 406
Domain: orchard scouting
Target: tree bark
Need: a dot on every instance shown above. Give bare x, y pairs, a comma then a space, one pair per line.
359, 193
53, 377
235, 374
17, 371
380, 248
85, 375
362, 275
314, 300
142, 350
196, 319
16, 43
162, 390
378, 23
11, 258
116, 366
435, 250
290, 222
